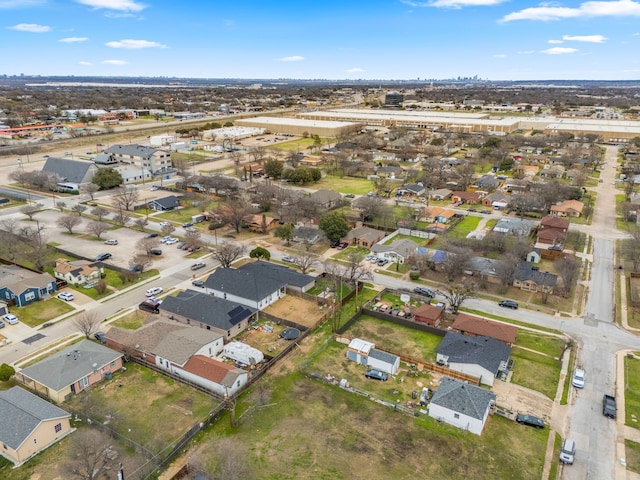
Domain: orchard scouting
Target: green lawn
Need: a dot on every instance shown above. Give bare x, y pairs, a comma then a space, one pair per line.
535, 371
466, 226
540, 342
632, 392
357, 186
632, 455
181, 215
37, 313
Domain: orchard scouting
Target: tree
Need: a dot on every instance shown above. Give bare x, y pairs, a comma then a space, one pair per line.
69, 222
193, 239
305, 261
506, 269
141, 223
273, 168
31, 209
145, 245
260, 253
455, 261
126, 197
334, 225
235, 212
60, 205
6, 372
90, 190
140, 262
168, 229
456, 293
37, 244
106, 178
227, 253
97, 228
88, 322
99, 212
89, 450
285, 232
122, 218
79, 209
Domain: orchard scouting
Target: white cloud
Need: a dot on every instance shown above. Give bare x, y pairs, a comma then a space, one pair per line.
546, 12
453, 3
135, 44
8, 4
585, 38
73, 39
114, 62
122, 5
30, 27
293, 58
559, 50
555, 41
499, 55
355, 70
85, 64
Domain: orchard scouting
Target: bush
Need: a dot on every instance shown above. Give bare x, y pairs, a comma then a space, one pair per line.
6, 372
414, 275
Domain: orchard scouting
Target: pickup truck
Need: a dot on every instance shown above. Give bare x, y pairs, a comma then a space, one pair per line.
609, 406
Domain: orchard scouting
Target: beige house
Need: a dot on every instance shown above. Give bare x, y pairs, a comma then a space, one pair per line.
29, 424
568, 208
77, 272
71, 370
364, 237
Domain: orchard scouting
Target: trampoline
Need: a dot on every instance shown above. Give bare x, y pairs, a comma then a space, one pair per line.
290, 333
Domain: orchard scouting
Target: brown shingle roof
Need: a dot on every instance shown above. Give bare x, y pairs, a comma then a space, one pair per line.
213, 370
466, 323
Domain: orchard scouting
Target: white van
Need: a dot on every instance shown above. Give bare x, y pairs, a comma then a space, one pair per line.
568, 451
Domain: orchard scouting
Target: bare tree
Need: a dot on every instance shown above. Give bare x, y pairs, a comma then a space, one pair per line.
141, 223
506, 269
567, 267
87, 322
88, 449
455, 260
456, 293
122, 218
355, 270
79, 208
305, 261
231, 461
145, 245
37, 242
90, 190
69, 222
168, 229
99, 212
60, 205
126, 197
97, 228
227, 253
31, 209
235, 212
140, 261
193, 239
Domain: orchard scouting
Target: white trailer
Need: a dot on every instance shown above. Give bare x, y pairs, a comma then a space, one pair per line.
242, 353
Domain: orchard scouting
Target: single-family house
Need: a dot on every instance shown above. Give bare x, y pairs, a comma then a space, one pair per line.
497, 200
398, 251
364, 237
461, 404
20, 286
261, 223
516, 185
466, 324
438, 215
389, 171
71, 370
485, 268
515, 226
170, 202
529, 278
553, 230
480, 356
487, 182
365, 353
307, 235
29, 424
76, 172
429, 314
413, 189
225, 316
470, 198
77, 272
326, 199
568, 208
257, 284
149, 159
441, 194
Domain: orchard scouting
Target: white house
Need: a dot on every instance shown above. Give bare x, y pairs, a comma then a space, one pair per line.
461, 404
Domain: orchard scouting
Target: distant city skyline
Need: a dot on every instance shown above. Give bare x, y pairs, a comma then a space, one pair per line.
380, 39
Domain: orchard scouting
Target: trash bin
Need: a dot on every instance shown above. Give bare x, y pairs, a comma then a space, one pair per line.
108, 375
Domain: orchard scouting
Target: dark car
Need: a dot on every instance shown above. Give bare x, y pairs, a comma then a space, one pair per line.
509, 304
350, 195
334, 244
151, 235
486, 212
529, 420
198, 266
103, 256
197, 283
376, 375
101, 337
424, 291
155, 251
187, 224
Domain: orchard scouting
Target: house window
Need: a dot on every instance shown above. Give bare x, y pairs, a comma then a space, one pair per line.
58, 428
35, 440
112, 364
456, 415
29, 296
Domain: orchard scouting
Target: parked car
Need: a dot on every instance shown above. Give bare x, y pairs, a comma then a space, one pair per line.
334, 244
113, 241
609, 407
155, 251
1, 324
172, 240
509, 304
424, 291
190, 229
100, 336
568, 451
376, 375
103, 256
153, 291
198, 265
180, 245
342, 245
154, 188
529, 420
486, 212
187, 224
66, 296
197, 283
382, 262
350, 195
578, 378
165, 224
288, 258
10, 318
151, 235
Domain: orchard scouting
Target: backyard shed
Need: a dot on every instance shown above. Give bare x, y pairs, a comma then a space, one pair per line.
243, 353
358, 350
364, 353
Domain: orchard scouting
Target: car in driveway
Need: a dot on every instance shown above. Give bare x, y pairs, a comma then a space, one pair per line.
10, 318
529, 420
66, 296
382, 262
198, 265
376, 374
153, 291
578, 378
103, 256
198, 283
509, 304
172, 240
111, 242
100, 336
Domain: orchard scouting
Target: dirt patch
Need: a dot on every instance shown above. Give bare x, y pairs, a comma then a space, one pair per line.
522, 400
296, 309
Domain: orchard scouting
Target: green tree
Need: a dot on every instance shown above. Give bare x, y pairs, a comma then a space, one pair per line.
273, 168
285, 232
260, 253
107, 178
334, 225
6, 372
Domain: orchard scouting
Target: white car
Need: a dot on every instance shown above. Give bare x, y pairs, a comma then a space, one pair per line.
153, 291
111, 242
165, 224
66, 296
288, 258
578, 378
172, 240
10, 318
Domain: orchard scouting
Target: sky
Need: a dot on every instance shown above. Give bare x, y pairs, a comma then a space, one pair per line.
331, 39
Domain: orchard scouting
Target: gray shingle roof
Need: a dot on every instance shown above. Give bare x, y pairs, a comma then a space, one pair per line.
463, 397
71, 364
279, 272
217, 312
242, 283
73, 171
525, 272
484, 351
167, 203
132, 150
389, 358
20, 414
